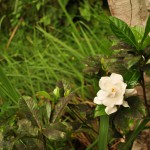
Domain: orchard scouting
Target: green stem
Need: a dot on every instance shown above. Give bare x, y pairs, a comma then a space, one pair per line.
92, 145
103, 132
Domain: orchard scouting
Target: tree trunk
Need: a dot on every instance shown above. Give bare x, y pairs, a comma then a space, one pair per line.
133, 12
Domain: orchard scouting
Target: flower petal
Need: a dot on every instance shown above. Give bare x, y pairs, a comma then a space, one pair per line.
124, 85
116, 77
97, 101
102, 94
130, 92
110, 110
125, 104
104, 82
118, 100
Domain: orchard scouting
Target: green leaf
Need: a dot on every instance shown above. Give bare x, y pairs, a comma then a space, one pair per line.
28, 144
27, 107
65, 2
131, 77
59, 108
43, 94
127, 145
48, 111
146, 43
56, 131
138, 32
99, 111
44, 112
25, 128
131, 61
122, 31
6, 88
103, 132
147, 30
85, 11
126, 118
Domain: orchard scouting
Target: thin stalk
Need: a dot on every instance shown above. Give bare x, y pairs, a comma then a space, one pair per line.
144, 92
103, 132
92, 145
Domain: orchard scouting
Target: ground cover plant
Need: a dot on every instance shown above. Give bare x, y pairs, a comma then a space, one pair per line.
47, 95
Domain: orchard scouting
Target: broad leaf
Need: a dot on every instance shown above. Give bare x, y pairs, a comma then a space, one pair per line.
28, 144
146, 43
25, 128
59, 108
99, 111
131, 137
138, 32
122, 31
43, 94
131, 77
56, 131
44, 112
147, 30
131, 61
126, 118
27, 107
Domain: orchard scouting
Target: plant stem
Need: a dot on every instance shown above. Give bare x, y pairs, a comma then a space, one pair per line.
103, 132
92, 145
144, 92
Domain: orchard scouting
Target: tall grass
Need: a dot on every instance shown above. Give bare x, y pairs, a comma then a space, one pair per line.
36, 62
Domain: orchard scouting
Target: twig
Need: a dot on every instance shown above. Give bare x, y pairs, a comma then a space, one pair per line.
13, 33
144, 92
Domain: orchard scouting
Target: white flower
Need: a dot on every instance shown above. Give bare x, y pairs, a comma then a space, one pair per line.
112, 93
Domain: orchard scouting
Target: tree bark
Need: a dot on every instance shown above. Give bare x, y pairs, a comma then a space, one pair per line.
133, 12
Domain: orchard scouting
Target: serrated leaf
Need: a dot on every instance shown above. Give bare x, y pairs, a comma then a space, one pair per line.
99, 111
27, 107
122, 31
59, 108
147, 30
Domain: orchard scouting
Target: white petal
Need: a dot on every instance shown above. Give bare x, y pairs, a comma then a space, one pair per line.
97, 101
116, 77
102, 94
110, 110
103, 82
123, 85
125, 104
130, 92
118, 100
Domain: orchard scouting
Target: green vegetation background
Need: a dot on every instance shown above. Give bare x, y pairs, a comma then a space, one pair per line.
45, 41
